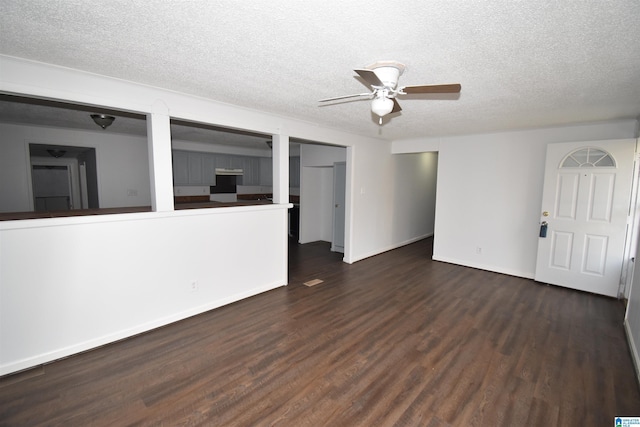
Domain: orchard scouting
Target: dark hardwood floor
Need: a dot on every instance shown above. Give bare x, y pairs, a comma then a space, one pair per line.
395, 339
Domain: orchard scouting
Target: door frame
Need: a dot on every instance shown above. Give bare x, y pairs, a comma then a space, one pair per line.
339, 185
633, 223
327, 162
71, 164
627, 239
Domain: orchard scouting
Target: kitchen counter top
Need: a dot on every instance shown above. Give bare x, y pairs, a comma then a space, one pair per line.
210, 204
12, 216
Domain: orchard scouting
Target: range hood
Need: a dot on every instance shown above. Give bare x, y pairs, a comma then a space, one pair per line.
228, 171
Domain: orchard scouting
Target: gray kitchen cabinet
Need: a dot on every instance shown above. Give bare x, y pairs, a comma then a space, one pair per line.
294, 171
247, 177
255, 164
251, 170
266, 171
180, 168
208, 169
223, 161
236, 162
195, 168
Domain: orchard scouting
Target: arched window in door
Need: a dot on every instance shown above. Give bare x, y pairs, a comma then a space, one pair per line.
588, 158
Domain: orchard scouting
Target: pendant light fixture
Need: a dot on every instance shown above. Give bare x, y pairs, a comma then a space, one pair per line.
103, 120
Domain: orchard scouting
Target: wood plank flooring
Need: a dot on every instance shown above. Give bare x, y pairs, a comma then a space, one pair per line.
393, 340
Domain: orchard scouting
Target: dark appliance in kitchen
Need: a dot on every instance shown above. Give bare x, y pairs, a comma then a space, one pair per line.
227, 181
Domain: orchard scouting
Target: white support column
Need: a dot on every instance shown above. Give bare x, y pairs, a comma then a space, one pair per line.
160, 166
280, 168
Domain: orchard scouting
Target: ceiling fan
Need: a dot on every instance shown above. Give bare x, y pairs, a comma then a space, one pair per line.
383, 76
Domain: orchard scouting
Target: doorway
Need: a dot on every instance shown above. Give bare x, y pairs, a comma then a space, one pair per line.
52, 188
317, 204
584, 214
63, 177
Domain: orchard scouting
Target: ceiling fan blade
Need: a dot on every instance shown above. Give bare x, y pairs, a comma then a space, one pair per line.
370, 77
450, 88
335, 98
396, 106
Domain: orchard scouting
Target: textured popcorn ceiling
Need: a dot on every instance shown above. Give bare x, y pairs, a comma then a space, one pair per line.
521, 64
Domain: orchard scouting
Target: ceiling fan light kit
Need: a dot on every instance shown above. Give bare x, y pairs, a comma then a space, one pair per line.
381, 105
382, 77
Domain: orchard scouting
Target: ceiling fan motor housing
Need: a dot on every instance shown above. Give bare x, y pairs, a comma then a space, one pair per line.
388, 72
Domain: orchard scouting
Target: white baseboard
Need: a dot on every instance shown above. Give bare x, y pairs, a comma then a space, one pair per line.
387, 248
487, 267
633, 348
60, 353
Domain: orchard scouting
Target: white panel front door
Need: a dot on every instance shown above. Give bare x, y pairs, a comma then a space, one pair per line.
585, 207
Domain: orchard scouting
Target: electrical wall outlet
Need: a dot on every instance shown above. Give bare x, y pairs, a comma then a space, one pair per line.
193, 286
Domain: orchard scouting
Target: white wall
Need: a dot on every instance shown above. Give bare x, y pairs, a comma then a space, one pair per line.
414, 196
316, 204
122, 163
70, 284
632, 317
321, 155
395, 196
399, 190
632, 293
128, 270
316, 191
490, 189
